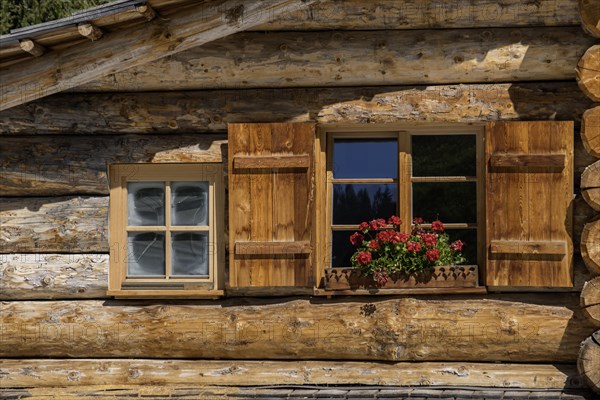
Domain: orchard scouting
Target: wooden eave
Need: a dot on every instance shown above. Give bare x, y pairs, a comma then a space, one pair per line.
128, 39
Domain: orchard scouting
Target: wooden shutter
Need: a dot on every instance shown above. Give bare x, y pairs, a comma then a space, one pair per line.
529, 190
271, 199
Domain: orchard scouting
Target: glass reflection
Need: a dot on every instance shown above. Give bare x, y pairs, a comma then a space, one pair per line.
145, 254
146, 203
446, 201
189, 253
189, 203
365, 158
443, 155
354, 203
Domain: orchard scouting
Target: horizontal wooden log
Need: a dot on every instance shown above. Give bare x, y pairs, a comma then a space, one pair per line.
53, 276
588, 362
511, 328
74, 224
24, 373
84, 276
76, 165
590, 246
590, 300
588, 73
135, 45
210, 111
590, 185
337, 58
391, 14
590, 130
54, 224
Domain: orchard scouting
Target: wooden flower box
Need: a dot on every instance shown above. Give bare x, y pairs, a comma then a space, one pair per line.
459, 276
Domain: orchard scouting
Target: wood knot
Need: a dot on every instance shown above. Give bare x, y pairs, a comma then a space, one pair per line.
134, 373
234, 15
73, 376
283, 47
46, 280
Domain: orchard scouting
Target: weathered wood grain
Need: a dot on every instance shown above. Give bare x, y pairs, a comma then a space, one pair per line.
590, 185
590, 300
72, 224
53, 276
84, 276
588, 73
589, 11
588, 363
590, 245
338, 58
510, 328
590, 130
393, 14
139, 44
210, 111
78, 165
67, 224
23, 373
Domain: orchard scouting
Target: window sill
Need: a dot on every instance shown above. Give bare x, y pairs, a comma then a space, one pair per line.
166, 294
403, 291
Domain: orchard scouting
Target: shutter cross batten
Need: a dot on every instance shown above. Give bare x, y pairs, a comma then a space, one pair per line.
529, 190
271, 203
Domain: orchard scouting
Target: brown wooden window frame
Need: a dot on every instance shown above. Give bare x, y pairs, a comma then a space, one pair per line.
403, 133
120, 285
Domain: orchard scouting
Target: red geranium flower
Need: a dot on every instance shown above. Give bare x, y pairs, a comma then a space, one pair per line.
363, 226
413, 246
385, 236
418, 220
364, 257
403, 237
432, 254
437, 226
457, 245
374, 244
395, 220
429, 239
381, 277
356, 239
377, 223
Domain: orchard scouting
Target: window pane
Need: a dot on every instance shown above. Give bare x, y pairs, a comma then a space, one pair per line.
341, 249
365, 158
189, 203
469, 237
189, 253
448, 202
354, 203
145, 254
146, 203
443, 155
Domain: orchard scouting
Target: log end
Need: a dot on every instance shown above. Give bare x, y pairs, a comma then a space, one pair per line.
589, 10
590, 131
588, 73
590, 246
588, 362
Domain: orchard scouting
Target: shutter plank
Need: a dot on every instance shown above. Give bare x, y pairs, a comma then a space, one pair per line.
528, 204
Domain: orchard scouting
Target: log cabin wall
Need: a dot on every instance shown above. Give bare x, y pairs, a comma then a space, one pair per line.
339, 62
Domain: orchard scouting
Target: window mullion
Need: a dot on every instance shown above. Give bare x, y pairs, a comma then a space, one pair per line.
168, 230
404, 179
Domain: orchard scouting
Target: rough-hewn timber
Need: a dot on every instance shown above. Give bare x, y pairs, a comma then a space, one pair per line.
74, 224
590, 16
361, 58
78, 165
210, 111
590, 185
84, 276
590, 246
49, 373
511, 328
53, 276
588, 73
590, 131
63, 69
590, 300
54, 224
588, 362
435, 14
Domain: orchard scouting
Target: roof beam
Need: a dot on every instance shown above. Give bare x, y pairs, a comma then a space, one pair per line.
31, 47
90, 31
147, 11
76, 65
